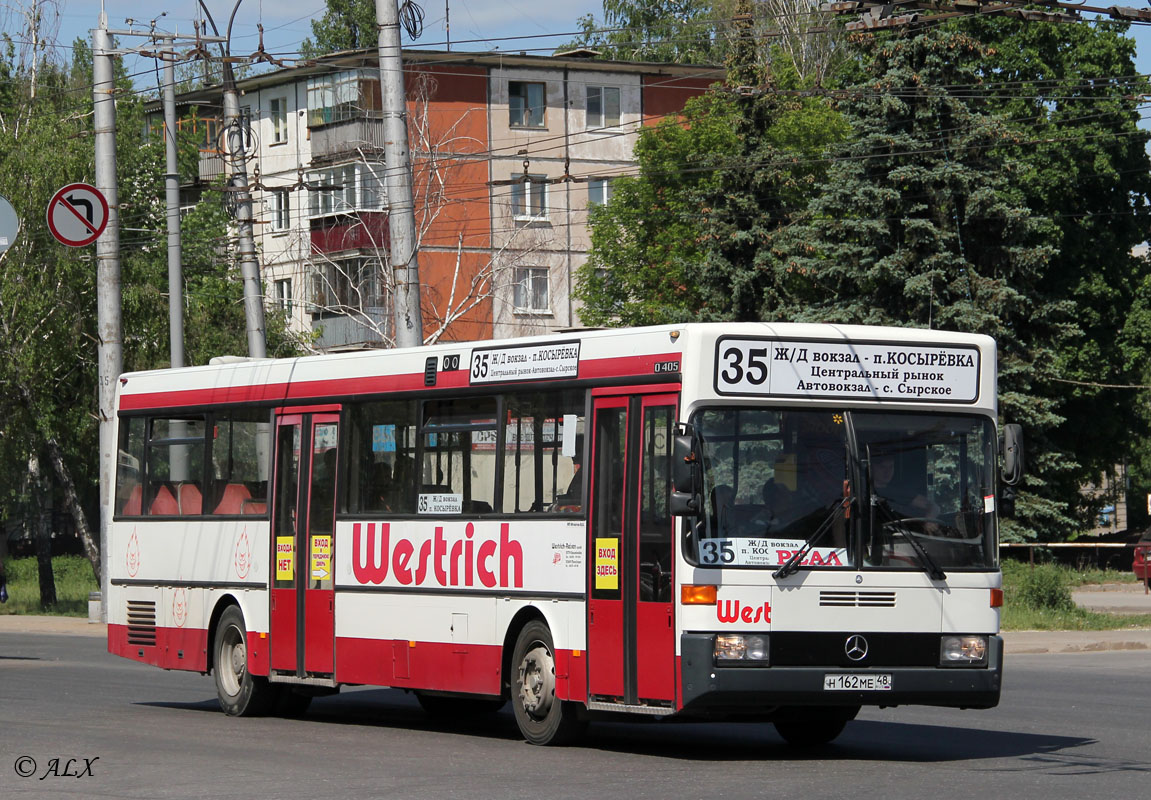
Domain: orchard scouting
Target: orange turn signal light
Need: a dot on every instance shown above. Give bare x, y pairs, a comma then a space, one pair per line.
996, 598
691, 595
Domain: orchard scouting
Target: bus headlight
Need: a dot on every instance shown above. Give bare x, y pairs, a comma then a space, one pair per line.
742, 648
962, 651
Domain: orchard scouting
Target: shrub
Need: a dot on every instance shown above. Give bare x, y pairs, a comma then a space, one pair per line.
1044, 586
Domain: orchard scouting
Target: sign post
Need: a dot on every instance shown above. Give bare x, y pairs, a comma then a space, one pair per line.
77, 214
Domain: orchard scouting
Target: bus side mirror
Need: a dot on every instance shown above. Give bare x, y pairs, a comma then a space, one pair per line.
685, 500
1012, 454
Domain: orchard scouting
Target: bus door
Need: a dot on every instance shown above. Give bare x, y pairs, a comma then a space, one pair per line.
631, 625
303, 526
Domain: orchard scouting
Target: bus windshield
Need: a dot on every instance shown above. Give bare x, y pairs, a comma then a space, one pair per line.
857, 488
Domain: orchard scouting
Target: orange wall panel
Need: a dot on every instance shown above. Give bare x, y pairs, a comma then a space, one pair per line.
663, 95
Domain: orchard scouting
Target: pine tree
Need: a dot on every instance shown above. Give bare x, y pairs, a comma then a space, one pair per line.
919, 225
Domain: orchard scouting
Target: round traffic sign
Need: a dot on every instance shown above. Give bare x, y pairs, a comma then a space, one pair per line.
77, 214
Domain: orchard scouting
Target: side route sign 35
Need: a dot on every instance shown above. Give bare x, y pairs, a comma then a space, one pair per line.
77, 214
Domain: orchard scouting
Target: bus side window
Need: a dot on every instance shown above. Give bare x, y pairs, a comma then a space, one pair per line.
241, 441
130, 460
543, 449
381, 460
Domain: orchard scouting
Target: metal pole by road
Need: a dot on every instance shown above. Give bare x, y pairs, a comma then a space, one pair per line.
398, 176
111, 357
172, 198
240, 197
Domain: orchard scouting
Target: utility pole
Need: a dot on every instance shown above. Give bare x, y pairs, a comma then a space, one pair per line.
398, 180
240, 197
111, 358
172, 198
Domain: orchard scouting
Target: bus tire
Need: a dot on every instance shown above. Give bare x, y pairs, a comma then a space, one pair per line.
814, 726
542, 717
241, 693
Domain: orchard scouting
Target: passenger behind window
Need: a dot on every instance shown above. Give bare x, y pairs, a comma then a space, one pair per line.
722, 497
571, 500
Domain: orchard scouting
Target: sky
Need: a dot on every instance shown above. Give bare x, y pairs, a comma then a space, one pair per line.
475, 25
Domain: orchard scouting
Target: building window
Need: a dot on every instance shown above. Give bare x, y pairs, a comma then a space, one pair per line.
281, 210
347, 285
526, 104
531, 290
282, 289
603, 107
598, 191
342, 95
530, 198
345, 189
279, 114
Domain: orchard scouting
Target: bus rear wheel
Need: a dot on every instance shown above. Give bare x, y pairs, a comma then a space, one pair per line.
542, 717
811, 727
241, 693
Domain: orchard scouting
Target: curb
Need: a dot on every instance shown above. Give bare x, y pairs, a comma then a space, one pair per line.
1031, 642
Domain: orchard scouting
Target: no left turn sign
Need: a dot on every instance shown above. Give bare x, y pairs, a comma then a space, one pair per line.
77, 214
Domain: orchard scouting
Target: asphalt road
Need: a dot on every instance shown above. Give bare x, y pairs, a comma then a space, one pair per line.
1070, 726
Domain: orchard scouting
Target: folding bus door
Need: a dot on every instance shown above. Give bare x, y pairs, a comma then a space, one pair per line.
303, 524
631, 625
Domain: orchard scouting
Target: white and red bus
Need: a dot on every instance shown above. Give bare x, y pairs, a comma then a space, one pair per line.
745, 521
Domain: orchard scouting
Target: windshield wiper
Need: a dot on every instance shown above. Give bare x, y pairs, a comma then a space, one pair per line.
928, 564
792, 564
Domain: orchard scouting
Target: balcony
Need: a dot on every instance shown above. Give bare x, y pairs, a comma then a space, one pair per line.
337, 140
351, 331
211, 165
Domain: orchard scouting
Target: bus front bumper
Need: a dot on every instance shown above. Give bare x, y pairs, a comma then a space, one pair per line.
751, 691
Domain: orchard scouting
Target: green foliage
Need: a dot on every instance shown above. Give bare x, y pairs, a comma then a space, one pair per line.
1072, 93
678, 31
1043, 586
73, 577
1039, 598
345, 25
48, 337
691, 236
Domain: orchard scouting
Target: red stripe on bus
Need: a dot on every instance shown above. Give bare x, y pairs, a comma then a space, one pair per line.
192, 643
435, 666
622, 366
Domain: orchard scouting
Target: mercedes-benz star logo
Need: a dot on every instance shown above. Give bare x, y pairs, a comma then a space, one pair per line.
855, 647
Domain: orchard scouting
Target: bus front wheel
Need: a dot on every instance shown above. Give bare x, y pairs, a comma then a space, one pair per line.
542, 717
241, 694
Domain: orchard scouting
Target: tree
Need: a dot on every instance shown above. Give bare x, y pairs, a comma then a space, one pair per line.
1073, 92
48, 344
679, 31
711, 31
919, 225
690, 237
345, 25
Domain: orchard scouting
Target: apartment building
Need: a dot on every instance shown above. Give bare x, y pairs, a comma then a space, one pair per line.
508, 153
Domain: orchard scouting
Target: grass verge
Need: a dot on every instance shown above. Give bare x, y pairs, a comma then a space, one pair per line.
1039, 599
73, 577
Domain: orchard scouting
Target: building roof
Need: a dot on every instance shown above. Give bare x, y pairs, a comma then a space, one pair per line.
581, 59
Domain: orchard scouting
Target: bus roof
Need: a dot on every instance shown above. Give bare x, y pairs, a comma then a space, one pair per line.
663, 353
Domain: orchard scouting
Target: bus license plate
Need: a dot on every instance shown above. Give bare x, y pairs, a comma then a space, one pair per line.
856, 683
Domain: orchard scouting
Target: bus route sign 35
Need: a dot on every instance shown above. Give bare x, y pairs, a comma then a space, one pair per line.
847, 370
